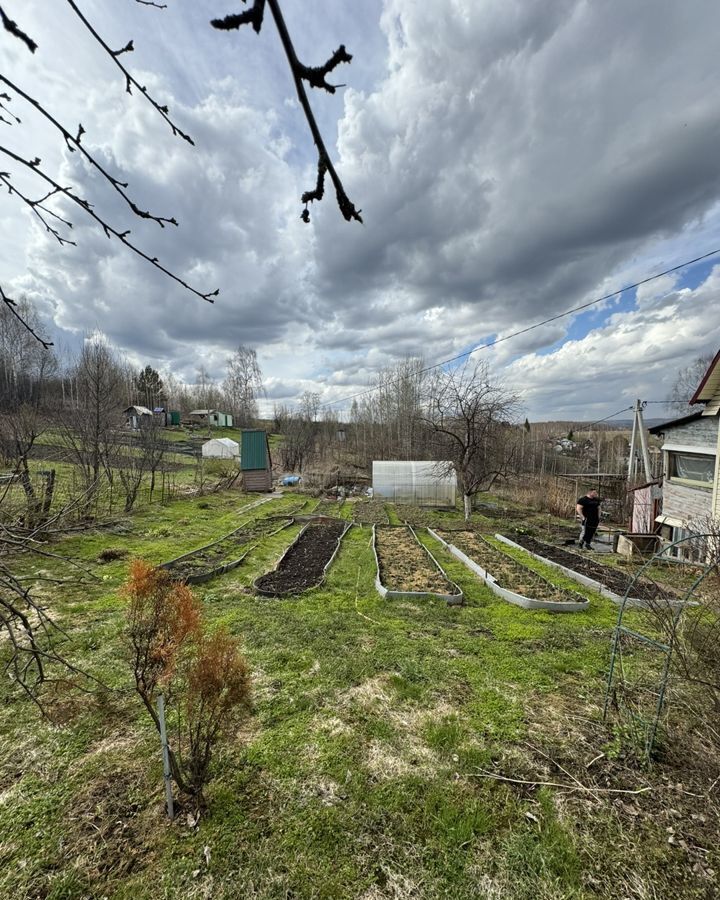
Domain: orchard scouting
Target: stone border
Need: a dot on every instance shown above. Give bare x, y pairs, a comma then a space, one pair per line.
510, 596
456, 599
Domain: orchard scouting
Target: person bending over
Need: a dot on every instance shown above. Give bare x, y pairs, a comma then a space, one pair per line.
588, 509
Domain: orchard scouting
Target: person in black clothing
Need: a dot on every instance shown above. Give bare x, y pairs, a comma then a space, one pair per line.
588, 508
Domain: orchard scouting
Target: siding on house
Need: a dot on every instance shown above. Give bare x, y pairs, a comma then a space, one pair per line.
716, 486
688, 504
702, 432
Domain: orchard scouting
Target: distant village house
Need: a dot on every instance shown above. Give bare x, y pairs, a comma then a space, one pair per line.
211, 417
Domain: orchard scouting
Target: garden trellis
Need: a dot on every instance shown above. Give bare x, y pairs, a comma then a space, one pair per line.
669, 621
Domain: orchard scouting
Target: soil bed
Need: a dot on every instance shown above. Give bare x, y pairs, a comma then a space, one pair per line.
370, 512
404, 565
303, 565
617, 582
507, 572
329, 507
416, 515
223, 552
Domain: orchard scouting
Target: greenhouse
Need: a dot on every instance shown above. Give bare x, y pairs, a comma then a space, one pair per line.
221, 448
426, 483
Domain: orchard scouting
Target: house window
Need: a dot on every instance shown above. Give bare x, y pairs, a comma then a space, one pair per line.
681, 543
692, 468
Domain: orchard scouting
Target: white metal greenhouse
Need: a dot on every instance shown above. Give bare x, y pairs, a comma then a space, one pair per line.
221, 448
425, 483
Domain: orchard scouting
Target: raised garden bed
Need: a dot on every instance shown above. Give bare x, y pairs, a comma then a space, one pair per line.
305, 562
224, 554
370, 512
508, 578
610, 582
406, 568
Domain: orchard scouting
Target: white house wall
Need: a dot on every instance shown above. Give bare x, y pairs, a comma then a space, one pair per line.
688, 504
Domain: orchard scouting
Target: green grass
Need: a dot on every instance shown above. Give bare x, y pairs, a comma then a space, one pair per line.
360, 774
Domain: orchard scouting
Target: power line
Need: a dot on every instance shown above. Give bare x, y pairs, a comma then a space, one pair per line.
507, 337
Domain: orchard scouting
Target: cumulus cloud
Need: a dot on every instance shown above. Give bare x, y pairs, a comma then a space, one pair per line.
512, 160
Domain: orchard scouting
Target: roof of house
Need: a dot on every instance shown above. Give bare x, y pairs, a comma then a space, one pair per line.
201, 412
139, 410
674, 423
710, 384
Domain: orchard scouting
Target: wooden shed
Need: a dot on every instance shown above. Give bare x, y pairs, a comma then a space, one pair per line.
255, 460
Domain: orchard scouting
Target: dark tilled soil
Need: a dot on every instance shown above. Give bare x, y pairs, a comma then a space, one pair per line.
303, 565
618, 582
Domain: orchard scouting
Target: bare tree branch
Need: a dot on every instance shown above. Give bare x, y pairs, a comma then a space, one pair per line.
253, 16
17, 32
11, 305
122, 236
73, 143
315, 76
130, 81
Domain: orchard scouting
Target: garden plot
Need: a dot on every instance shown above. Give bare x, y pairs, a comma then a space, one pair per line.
508, 578
370, 512
611, 582
495, 511
406, 567
224, 554
415, 515
330, 507
305, 562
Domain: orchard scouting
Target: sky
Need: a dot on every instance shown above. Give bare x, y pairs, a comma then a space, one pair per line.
512, 160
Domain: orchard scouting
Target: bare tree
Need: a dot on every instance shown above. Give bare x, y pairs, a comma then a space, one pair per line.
299, 429
243, 385
89, 428
470, 417
152, 448
686, 383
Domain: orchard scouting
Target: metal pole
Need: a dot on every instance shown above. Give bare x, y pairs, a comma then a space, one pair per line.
644, 443
631, 462
166, 758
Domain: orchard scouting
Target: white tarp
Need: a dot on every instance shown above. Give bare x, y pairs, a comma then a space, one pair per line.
423, 483
221, 448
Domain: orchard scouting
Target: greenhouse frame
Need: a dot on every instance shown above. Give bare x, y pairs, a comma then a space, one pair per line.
421, 483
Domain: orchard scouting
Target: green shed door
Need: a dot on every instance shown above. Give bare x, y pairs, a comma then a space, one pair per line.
253, 453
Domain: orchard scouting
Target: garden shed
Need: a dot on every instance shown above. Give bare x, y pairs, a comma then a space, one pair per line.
137, 416
211, 417
221, 448
256, 463
423, 483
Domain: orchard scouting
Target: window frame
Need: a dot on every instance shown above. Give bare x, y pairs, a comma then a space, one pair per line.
690, 482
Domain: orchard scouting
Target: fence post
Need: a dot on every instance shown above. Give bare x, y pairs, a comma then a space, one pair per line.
166, 758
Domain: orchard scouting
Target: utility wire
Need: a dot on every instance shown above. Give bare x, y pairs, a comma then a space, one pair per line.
507, 337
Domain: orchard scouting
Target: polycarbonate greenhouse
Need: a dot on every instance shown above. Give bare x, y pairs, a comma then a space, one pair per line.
425, 483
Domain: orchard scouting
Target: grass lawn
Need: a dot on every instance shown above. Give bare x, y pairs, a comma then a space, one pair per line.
362, 773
